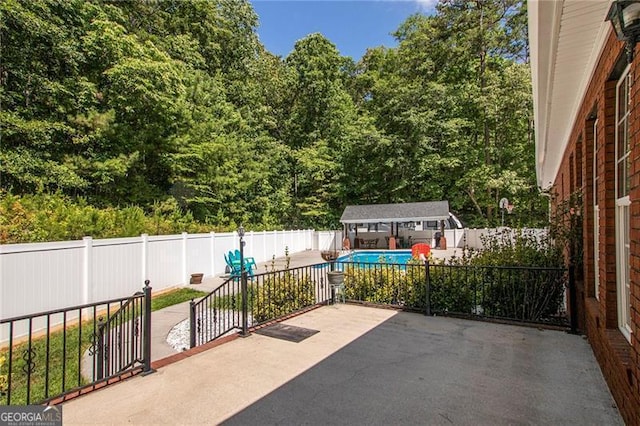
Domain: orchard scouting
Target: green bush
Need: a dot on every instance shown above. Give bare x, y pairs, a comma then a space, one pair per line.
452, 289
387, 284
515, 248
518, 275
526, 294
3, 377
281, 294
56, 217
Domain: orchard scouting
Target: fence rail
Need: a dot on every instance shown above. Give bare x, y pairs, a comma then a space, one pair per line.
525, 294
215, 314
66, 350
100, 341
268, 296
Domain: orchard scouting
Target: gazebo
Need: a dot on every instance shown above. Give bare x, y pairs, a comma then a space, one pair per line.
408, 223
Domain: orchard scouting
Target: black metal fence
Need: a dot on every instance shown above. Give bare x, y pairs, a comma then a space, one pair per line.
216, 314
526, 294
50, 355
234, 307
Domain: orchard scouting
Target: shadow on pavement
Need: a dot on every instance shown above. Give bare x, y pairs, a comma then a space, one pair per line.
414, 369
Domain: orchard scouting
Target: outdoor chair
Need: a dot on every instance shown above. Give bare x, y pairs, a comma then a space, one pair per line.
234, 266
392, 243
249, 262
420, 251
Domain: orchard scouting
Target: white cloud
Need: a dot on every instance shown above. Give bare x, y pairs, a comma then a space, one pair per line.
427, 4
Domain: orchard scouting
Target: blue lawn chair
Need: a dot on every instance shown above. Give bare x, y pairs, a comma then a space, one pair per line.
234, 268
249, 262
234, 264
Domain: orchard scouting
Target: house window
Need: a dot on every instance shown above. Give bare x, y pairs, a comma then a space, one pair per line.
622, 179
596, 215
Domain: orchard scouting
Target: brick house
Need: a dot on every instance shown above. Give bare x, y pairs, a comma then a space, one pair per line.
587, 124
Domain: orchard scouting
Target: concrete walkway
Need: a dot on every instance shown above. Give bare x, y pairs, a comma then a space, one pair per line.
369, 366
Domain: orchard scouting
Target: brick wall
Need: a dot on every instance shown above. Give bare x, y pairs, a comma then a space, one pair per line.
618, 358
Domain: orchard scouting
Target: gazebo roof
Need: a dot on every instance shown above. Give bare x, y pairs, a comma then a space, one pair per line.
404, 212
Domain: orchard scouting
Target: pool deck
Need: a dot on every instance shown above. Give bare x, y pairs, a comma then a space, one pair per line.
308, 257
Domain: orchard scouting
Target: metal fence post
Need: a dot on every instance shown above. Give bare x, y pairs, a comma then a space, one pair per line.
427, 310
245, 304
147, 329
573, 301
243, 285
192, 324
100, 350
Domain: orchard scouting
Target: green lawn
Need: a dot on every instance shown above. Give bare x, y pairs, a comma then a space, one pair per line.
66, 348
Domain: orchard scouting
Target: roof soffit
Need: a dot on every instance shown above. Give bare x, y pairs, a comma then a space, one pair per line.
566, 41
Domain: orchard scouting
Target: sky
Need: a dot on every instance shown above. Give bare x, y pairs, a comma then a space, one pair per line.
352, 25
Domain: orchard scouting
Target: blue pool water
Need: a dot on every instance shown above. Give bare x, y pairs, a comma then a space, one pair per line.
376, 256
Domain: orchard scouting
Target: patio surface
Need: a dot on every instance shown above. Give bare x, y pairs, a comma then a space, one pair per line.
369, 366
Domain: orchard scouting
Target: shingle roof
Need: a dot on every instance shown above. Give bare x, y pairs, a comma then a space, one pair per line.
405, 212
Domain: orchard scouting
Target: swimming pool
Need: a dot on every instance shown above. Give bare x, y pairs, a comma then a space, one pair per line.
376, 256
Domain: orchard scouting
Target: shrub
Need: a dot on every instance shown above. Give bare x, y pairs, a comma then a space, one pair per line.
56, 217
526, 294
280, 294
519, 275
452, 289
515, 247
387, 284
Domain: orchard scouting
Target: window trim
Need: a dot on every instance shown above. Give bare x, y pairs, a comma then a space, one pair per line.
622, 207
596, 214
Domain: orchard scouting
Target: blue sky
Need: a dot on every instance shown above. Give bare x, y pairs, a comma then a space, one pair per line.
352, 25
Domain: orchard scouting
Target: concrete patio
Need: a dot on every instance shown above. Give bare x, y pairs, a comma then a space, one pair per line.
369, 366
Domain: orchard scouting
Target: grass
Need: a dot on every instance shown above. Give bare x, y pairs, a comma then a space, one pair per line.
66, 349
174, 297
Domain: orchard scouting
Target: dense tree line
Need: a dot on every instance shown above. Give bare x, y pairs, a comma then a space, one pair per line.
135, 103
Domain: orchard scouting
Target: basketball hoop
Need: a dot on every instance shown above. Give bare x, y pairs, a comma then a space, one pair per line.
509, 208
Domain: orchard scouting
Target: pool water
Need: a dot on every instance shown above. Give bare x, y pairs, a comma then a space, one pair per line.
377, 256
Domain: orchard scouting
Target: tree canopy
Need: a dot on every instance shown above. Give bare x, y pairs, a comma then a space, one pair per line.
135, 103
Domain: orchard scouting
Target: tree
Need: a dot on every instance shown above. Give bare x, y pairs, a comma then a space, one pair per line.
320, 111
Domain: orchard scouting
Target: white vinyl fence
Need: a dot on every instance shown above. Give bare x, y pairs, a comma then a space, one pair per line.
38, 277
472, 238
